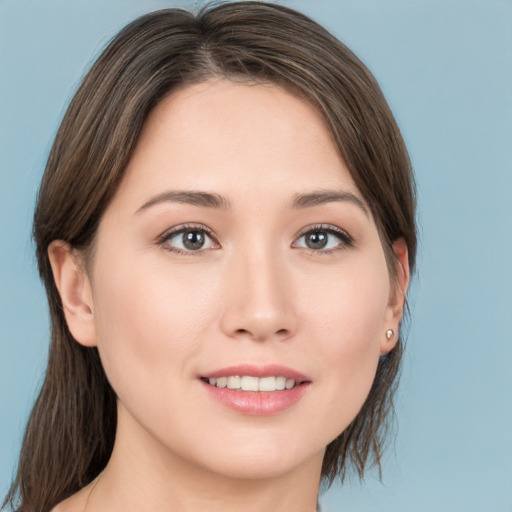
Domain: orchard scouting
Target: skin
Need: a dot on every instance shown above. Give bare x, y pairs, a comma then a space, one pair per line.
255, 293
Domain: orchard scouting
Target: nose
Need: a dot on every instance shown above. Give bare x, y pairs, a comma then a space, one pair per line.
258, 295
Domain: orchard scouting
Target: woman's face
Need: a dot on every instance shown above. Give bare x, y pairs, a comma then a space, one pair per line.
238, 246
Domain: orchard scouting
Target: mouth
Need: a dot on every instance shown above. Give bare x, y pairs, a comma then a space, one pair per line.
251, 383
256, 390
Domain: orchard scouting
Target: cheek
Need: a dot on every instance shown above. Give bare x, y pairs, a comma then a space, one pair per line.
348, 306
149, 326
347, 315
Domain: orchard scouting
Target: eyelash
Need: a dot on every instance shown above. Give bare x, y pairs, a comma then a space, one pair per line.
168, 235
345, 240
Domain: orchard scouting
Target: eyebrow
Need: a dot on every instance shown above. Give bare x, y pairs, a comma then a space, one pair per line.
203, 199
212, 200
328, 196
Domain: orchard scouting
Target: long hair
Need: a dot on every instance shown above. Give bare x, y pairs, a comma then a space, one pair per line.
71, 430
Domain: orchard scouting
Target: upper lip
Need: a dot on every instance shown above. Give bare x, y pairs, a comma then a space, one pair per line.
266, 370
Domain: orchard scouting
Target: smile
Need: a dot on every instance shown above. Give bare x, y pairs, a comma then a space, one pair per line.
249, 383
256, 390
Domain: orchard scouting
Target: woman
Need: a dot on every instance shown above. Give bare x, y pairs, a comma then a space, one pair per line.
225, 230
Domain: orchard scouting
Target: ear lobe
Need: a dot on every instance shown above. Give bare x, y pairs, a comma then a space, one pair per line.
396, 304
75, 292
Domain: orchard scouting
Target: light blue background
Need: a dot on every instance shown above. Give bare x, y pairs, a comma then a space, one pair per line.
446, 69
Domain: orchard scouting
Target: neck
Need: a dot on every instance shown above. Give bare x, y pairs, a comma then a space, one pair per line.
142, 475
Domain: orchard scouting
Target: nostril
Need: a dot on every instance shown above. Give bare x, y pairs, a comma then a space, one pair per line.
281, 333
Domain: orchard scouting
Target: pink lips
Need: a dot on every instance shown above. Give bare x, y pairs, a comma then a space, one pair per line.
268, 370
257, 403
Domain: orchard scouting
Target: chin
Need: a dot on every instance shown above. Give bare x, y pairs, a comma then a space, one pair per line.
261, 466
269, 458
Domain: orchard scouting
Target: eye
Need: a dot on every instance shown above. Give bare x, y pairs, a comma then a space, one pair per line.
187, 239
324, 239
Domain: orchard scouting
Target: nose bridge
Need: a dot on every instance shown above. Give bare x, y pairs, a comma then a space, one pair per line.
259, 305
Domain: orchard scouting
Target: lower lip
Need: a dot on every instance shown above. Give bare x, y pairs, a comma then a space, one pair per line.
257, 403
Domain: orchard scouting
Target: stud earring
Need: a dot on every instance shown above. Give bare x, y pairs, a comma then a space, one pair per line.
389, 333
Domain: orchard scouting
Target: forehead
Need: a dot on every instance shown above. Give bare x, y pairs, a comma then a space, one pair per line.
235, 138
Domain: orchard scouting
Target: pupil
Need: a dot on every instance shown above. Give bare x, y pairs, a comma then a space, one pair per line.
316, 240
193, 240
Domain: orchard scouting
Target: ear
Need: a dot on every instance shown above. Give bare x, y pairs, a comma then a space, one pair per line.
75, 292
396, 304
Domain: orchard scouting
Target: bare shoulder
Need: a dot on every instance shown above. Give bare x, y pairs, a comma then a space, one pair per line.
75, 503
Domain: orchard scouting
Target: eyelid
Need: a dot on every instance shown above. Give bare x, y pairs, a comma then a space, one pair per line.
181, 228
346, 240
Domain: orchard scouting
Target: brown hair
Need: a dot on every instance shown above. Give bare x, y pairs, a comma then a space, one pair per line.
71, 430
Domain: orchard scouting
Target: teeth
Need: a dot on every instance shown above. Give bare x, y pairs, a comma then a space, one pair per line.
248, 383
234, 382
267, 384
